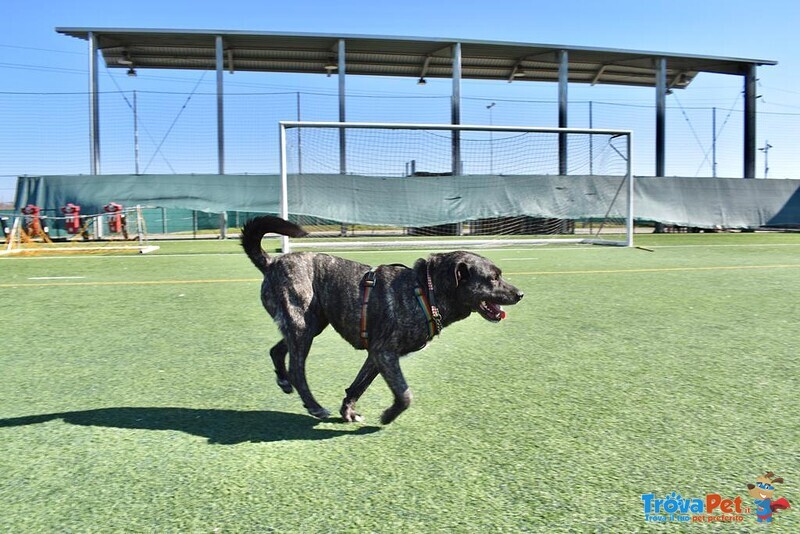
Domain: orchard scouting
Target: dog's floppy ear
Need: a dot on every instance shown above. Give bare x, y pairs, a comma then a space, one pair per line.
461, 272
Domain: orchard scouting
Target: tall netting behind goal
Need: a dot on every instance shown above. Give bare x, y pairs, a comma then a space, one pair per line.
462, 185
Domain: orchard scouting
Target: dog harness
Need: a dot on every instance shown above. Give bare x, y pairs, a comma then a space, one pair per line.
436, 317
426, 301
367, 283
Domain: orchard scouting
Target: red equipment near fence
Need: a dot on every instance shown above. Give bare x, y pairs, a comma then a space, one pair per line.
34, 223
115, 216
72, 222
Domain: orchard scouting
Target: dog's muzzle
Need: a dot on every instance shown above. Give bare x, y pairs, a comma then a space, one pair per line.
492, 311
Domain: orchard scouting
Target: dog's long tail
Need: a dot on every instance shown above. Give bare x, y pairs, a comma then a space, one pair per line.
253, 231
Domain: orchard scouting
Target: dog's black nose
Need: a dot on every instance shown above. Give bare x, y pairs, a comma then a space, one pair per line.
520, 294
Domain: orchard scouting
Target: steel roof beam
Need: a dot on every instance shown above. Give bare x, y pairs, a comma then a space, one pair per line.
600, 72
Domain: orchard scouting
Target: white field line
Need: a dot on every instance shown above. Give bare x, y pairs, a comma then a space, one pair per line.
56, 277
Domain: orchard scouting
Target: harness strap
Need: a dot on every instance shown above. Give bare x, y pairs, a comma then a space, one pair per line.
426, 301
367, 283
436, 316
426, 309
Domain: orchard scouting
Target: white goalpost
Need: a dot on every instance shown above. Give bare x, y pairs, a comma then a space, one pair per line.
435, 185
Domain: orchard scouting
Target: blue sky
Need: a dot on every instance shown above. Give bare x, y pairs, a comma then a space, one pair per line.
34, 58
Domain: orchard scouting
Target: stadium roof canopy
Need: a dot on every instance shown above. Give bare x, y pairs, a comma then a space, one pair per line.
397, 56
413, 57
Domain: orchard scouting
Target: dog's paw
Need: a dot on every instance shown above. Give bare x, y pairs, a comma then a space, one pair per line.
285, 385
388, 416
320, 413
350, 415
400, 405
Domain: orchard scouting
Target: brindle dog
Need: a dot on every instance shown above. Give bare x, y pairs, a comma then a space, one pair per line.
390, 311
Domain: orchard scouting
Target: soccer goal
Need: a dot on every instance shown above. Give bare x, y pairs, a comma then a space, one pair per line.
30, 235
384, 184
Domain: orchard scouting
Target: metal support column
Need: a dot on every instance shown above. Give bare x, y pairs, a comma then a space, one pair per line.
750, 122
94, 107
223, 217
456, 108
220, 108
299, 138
661, 121
591, 140
563, 83
94, 121
342, 108
342, 69
456, 119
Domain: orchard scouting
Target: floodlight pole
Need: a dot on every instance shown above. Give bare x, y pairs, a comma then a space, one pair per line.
765, 150
750, 121
136, 135
714, 142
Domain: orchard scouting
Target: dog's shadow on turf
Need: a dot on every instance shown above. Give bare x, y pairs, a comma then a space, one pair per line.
224, 427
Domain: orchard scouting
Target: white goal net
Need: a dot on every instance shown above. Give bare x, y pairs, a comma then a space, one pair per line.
355, 184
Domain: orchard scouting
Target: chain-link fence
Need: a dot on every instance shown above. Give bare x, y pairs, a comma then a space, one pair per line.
175, 132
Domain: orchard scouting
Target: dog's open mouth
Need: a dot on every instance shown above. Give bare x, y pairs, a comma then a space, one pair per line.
491, 311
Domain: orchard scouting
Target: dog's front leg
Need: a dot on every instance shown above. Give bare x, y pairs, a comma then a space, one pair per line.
365, 377
388, 364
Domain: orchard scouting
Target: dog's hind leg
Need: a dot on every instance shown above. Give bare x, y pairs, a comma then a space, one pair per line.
278, 355
365, 377
388, 364
299, 345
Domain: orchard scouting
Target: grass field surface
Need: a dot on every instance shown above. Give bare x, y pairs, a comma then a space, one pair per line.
137, 395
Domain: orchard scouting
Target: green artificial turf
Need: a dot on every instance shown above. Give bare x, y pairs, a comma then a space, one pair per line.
140, 397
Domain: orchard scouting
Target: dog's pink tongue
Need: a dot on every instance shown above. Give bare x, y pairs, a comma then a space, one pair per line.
498, 311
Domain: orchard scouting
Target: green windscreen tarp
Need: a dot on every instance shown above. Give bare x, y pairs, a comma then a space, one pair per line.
424, 201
